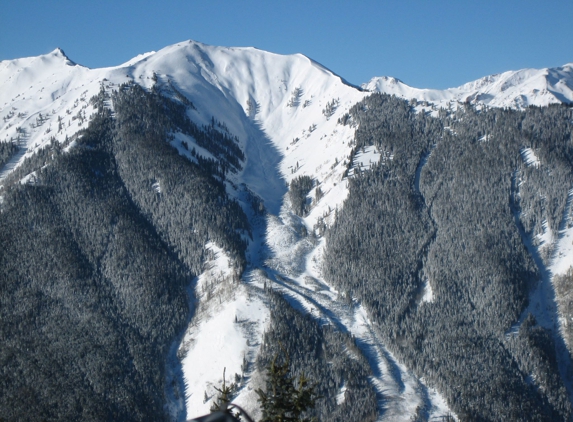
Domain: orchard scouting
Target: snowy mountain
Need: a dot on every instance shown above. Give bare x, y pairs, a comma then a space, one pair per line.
284, 111
513, 89
286, 94
283, 120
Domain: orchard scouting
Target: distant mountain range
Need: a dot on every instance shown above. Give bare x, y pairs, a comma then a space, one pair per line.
513, 89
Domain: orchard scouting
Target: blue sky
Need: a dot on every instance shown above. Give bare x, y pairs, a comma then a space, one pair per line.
426, 44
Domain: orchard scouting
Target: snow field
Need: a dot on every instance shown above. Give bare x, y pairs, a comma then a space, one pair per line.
562, 258
225, 334
529, 157
364, 159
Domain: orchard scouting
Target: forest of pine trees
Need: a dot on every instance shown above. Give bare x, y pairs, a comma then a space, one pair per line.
94, 265
444, 213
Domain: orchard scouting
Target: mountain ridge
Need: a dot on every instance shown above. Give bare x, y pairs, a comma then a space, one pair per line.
514, 89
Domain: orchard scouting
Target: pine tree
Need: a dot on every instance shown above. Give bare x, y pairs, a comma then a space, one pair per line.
221, 403
283, 401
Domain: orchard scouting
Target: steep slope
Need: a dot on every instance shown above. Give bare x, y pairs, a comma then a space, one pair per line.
514, 89
273, 139
438, 214
285, 97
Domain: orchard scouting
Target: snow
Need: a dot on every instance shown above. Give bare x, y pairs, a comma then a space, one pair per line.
543, 303
515, 89
227, 328
136, 59
277, 107
529, 157
29, 179
364, 159
240, 85
180, 138
562, 258
293, 266
545, 238
341, 397
43, 97
156, 187
428, 295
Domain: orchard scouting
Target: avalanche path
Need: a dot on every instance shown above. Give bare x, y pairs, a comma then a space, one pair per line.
292, 263
542, 301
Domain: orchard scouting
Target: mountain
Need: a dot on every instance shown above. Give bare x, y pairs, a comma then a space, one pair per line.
514, 89
199, 210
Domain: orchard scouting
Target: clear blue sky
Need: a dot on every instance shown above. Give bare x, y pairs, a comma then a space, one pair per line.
427, 44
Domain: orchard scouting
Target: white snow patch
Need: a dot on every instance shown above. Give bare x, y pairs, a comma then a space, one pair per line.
156, 186
186, 144
485, 138
225, 332
364, 159
545, 238
367, 157
341, 396
428, 295
562, 258
29, 179
529, 157
439, 408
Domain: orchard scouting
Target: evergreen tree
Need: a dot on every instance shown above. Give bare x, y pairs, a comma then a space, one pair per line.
283, 401
221, 403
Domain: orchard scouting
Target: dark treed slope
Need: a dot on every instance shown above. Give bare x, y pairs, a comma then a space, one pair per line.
192, 205
7, 150
94, 264
298, 189
442, 211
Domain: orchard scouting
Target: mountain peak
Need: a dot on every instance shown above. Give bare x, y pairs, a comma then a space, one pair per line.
58, 53
516, 89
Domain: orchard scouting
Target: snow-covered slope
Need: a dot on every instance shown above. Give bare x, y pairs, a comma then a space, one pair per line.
291, 98
43, 97
261, 97
256, 94
284, 112
514, 89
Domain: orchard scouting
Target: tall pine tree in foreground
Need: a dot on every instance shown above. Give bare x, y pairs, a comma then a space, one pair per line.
223, 400
285, 400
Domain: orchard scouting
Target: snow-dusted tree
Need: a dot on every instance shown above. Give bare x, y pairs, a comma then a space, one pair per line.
221, 403
286, 399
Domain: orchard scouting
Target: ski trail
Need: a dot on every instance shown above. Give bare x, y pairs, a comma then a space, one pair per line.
423, 161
